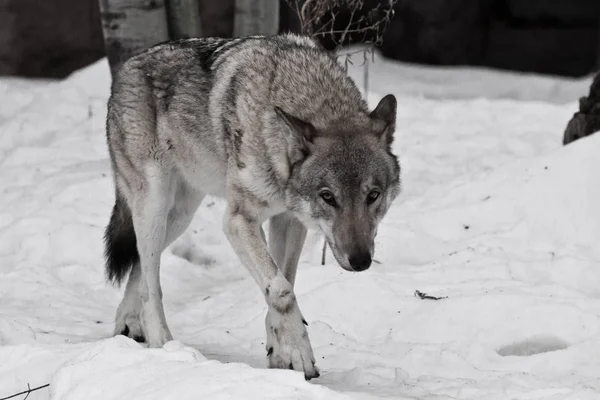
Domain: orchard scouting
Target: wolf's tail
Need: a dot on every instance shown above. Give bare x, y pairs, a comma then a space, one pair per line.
120, 243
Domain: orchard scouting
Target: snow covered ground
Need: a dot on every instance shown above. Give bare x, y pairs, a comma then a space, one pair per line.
496, 215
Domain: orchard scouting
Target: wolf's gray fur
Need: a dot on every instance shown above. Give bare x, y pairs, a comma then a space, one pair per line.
274, 125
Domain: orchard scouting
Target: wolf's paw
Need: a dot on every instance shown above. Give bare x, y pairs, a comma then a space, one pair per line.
130, 326
155, 326
159, 338
288, 346
127, 319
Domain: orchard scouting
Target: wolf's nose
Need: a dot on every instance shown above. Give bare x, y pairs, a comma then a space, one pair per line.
360, 262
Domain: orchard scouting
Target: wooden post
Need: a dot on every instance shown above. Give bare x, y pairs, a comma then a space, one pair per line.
184, 19
256, 17
131, 26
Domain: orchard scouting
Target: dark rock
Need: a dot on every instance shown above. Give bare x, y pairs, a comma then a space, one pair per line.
587, 120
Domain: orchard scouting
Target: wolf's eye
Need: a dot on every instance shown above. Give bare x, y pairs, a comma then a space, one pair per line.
328, 198
371, 197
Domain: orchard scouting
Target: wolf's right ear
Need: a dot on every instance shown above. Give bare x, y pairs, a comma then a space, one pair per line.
383, 119
299, 135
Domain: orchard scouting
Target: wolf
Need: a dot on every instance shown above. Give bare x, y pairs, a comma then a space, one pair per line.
274, 125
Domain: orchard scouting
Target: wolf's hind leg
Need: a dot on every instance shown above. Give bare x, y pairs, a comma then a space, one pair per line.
150, 205
127, 320
178, 219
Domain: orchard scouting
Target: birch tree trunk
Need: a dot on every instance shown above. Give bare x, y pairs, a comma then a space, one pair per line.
256, 17
184, 19
131, 26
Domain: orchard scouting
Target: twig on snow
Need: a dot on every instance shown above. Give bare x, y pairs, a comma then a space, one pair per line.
26, 392
425, 296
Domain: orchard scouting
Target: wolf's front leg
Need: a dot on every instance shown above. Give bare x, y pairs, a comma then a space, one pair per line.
285, 328
286, 239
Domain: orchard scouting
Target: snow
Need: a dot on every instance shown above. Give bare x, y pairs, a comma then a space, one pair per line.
495, 214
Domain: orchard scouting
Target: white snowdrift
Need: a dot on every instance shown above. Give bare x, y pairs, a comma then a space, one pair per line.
119, 368
495, 214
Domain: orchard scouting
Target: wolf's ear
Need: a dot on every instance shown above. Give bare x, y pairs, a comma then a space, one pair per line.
383, 119
299, 135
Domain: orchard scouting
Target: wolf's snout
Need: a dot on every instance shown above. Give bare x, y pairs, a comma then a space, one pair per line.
360, 261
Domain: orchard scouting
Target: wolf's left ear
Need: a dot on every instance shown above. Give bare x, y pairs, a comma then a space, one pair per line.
383, 119
299, 136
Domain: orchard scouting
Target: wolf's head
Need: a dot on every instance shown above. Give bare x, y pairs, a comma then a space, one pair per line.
344, 179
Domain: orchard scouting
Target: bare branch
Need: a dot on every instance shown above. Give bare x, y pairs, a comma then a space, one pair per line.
425, 296
26, 392
318, 20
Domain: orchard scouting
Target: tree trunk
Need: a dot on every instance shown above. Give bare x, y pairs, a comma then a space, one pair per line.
184, 19
131, 26
256, 17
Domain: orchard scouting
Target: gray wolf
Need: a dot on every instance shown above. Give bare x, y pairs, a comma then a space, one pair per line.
273, 125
